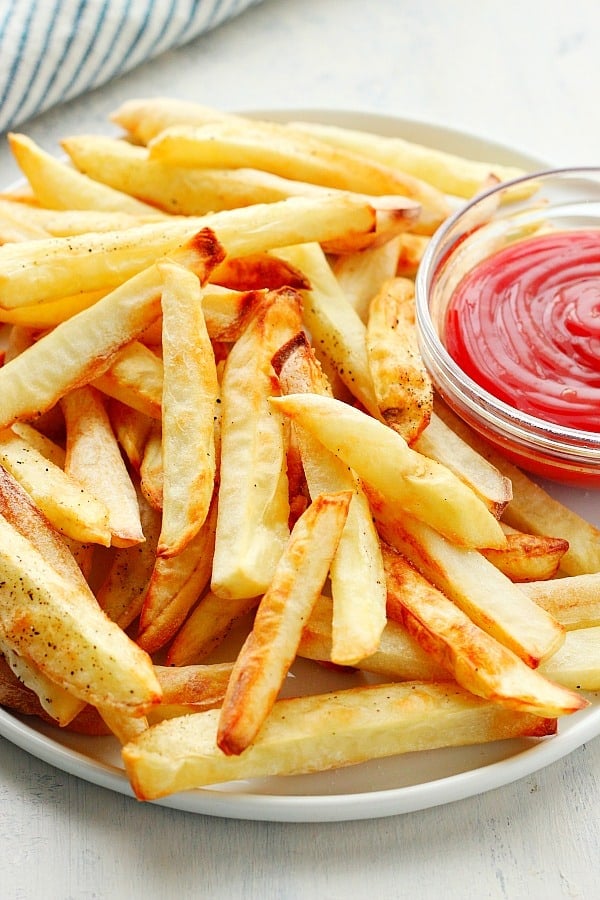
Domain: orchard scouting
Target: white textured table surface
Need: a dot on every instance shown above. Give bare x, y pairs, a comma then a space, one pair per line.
525, 74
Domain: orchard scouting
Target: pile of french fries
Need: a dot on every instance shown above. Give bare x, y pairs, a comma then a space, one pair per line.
220, 452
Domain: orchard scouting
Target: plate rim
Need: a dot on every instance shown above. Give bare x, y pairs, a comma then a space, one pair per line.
363, 804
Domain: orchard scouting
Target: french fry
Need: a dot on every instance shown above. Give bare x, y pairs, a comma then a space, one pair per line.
357, 577
334, 325
58, 186
151, 468
135, 377
528, 557
131, 428
398, 655
53, 312
271, 646
124, 167
48, 448
533, 510
576, 664
122, 591
188, 689
190, 395
449, 173
323, 731
402, 385
477, 661
206, 628
258, 271
484, 593
411, 248
145, 118
81, 349
227, 312
360, 275
24, 689
40, 609
175, 585
573, 600
71, 509
93, 458
20, 511
444, 445
384, 461
253, 505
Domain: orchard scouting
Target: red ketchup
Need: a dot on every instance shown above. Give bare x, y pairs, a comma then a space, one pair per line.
525, 325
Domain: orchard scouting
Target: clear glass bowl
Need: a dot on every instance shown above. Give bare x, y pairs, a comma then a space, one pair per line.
561, 199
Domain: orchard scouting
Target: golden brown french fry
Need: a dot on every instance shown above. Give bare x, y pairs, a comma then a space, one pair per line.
449, 173
131, 428
25, 690
46, 315
94, 261
144, 118
227, 313
357, 577
360, 275
484, 593
323, 731
71, 509
42, 443
19, 510
573, 600
253, 505
271, 646
151, 467
402, 384
477, 661
44, 222
382, 459
411, 248
188, 689
336, 329
121, 592
533, 510
258, 271
58, 186
175, 585
94, 460
398, 656
206, 627
81, 349
190, 395
528, 557
577, 663
135, 377
41, 609
124, 167
441, 443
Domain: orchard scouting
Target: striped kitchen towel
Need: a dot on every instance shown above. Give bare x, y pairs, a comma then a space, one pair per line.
52, 50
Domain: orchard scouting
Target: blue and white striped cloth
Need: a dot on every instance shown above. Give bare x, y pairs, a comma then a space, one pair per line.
53, 50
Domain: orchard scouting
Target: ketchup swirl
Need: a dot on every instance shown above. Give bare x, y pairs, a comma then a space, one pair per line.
525, 325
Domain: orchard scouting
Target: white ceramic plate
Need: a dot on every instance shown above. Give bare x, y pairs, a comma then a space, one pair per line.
379, 788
